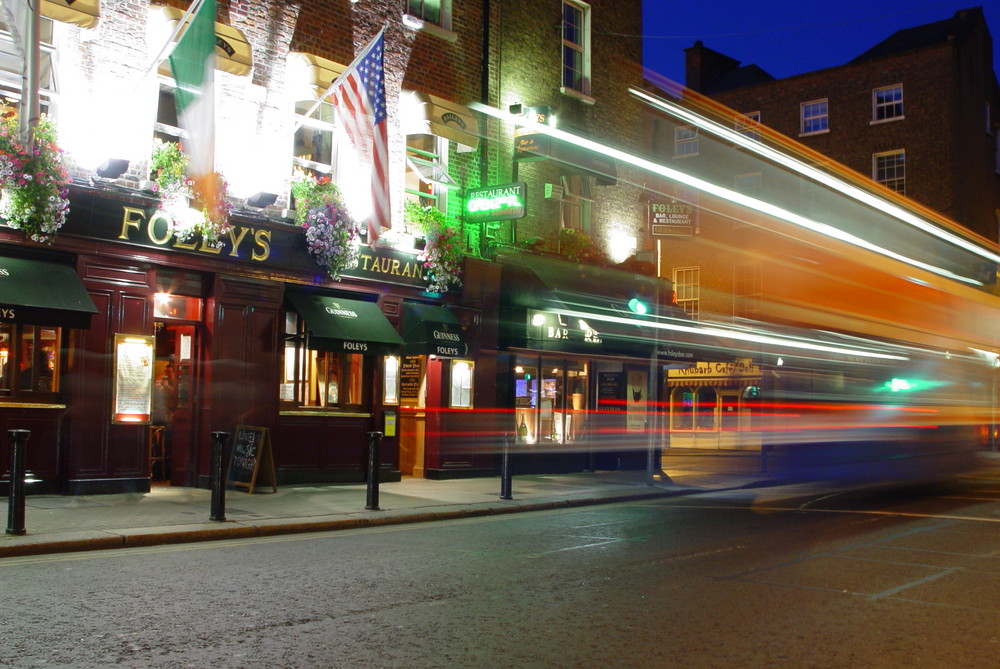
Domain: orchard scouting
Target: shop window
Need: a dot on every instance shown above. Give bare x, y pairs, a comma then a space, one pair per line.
682, 409
427, 178
461, 384
319, 379
705, 404
10, 65
576, 48
29, 361
526, 400
729, 411
390, 380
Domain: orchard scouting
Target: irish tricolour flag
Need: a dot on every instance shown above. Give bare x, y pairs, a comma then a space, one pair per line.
193, 64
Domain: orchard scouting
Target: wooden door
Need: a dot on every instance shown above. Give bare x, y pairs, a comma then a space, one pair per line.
184, 423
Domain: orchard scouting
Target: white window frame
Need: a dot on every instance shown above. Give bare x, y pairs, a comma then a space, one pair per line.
579, 47
809, 115
687, 288
748, 125
576, 201
685, 141
10, 72
417, 17
896, 182
325, 126
429, 168
887, 107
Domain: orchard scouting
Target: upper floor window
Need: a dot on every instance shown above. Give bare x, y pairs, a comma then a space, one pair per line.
437, 12
167, 127
749, 125
10, 65
314, 146
685, 141
889, 169
814, 117
577, 196
427, 179
751, 183
887, 103
576, 47
687, 286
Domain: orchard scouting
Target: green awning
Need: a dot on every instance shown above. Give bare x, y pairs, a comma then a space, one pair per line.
37, 292
341, 325
429, 329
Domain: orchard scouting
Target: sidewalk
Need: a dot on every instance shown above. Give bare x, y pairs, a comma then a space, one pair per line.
167, 515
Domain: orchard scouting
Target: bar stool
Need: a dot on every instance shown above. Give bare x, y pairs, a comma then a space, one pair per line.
156, 454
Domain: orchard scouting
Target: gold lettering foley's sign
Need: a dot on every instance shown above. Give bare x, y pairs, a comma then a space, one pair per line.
250, 240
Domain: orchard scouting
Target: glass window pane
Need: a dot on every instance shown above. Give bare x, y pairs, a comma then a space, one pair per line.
461, 384
682, 408
706, 402
5, 355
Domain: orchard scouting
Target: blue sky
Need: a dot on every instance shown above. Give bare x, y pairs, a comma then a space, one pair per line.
785, 37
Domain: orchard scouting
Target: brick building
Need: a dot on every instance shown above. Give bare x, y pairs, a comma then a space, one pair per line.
253, 328
917, 112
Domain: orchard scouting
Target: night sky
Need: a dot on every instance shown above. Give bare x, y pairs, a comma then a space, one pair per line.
786, 37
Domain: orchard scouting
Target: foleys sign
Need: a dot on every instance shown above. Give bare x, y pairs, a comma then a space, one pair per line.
447, 343
496, 203
671, 217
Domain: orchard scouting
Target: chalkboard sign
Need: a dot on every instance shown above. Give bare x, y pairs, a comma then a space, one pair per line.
251, 461
409, 380
610, 390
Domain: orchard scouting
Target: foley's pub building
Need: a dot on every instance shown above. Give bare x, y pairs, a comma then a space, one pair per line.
125, 344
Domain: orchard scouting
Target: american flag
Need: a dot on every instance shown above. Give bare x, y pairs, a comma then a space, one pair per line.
359, 97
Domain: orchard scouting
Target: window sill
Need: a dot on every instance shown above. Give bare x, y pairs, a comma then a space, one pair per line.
887, 120
319, 413
30, 405
570, 92
817, 132
417, 23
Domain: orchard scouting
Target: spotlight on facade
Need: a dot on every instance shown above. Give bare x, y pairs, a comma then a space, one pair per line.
261, 200
112, 168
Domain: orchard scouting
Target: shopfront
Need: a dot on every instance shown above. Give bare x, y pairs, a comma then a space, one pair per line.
714, 405
249, 333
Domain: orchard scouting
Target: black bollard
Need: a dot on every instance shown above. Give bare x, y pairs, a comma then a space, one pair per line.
650, 465
219, 440
505, 477
373, 467
764, 448
15, 499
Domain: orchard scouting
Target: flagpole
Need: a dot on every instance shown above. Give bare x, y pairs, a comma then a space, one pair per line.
29, 76
174, 36
335, 83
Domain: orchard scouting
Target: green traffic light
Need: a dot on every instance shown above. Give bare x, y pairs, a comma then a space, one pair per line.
637, 306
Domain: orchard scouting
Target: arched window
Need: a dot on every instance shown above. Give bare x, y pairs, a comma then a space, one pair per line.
705, 403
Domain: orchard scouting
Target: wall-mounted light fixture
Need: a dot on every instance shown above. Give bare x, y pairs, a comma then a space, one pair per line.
112, 168
261, 200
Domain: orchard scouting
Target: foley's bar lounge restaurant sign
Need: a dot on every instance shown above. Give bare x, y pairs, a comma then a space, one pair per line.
669, 217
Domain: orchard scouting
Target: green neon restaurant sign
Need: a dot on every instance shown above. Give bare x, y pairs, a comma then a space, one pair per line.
496, 203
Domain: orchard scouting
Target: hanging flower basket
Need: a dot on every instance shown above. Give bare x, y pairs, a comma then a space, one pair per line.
208, 218
442, 252
578, 247
332, 236
35, 198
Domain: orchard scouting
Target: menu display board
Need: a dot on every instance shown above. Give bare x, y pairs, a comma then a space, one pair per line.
251, 461
133, 391
409, 380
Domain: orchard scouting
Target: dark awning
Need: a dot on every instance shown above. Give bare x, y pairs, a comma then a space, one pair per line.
432, 330
37, 292
562, 306
352, 326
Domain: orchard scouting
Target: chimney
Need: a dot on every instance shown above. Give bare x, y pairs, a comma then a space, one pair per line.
704, 66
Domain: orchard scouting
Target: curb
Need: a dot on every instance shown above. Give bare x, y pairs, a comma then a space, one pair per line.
269, 527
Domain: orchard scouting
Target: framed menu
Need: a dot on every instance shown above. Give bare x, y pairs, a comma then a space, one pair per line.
133, 389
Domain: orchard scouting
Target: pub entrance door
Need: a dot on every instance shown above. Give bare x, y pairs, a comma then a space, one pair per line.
178, 370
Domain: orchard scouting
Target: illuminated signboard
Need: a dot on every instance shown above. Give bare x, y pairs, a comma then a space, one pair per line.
496, 203
671, 217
